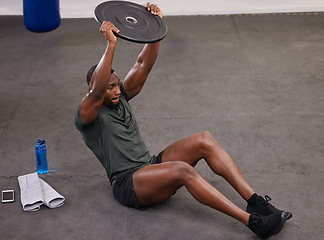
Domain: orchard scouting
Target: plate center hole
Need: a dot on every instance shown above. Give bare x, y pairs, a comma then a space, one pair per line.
131, 20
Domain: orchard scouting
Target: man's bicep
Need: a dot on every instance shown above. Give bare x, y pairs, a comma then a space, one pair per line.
135, 79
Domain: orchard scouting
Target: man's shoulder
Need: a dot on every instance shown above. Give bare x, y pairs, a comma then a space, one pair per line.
79, 124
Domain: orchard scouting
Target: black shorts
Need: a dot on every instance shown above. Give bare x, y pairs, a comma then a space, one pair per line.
123, 189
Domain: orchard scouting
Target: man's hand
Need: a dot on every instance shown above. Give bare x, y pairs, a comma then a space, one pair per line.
155, 10
107, 29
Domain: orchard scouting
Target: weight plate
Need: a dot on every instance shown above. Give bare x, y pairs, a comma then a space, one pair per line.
135, 22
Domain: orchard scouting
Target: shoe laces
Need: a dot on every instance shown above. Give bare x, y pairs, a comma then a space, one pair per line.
266, 202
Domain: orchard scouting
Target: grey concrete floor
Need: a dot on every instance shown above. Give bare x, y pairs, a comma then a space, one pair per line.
255, 82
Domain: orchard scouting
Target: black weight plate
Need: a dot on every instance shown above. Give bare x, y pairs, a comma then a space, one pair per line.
134, 21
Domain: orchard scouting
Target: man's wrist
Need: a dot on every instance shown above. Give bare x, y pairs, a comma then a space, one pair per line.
111, 44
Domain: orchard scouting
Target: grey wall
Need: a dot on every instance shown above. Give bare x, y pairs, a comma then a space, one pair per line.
84, 8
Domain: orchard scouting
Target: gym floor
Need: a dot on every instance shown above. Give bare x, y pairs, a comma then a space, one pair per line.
256, 82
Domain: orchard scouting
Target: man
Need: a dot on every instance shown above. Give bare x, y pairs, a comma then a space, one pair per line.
110, 130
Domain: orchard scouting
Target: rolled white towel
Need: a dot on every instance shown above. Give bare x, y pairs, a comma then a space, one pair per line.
51, 198
31, 195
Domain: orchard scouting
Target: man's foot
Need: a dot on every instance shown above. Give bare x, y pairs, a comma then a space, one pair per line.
266, 226
261, 206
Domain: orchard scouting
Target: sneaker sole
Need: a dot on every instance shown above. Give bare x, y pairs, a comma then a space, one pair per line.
278, 228
287, 215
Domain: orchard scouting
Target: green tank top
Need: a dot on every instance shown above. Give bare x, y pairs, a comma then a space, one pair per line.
114, 138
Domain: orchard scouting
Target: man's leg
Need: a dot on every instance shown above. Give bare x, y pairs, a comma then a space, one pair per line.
203, 145
156, 183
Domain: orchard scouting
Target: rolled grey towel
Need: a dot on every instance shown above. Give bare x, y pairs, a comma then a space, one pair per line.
35, 192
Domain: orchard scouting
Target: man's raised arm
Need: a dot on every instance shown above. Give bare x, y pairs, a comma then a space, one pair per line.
99, 83
137, 76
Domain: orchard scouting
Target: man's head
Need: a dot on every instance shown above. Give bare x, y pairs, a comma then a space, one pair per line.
113, 92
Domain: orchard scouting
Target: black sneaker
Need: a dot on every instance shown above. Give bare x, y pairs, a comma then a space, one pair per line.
261, 206
266, 226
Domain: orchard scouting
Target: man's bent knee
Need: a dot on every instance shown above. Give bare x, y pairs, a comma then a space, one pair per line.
182, 172
207, 141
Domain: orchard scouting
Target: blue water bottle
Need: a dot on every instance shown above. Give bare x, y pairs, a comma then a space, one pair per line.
41, 156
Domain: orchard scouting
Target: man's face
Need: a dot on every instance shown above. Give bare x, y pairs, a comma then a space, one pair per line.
113, 91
